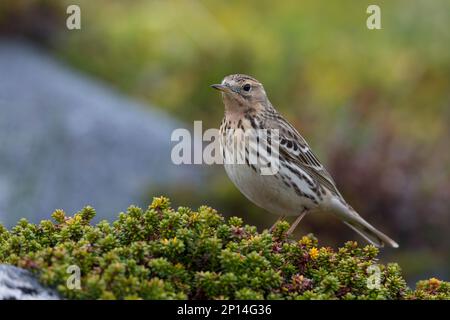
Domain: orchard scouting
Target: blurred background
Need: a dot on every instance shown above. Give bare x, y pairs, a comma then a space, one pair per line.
86, 115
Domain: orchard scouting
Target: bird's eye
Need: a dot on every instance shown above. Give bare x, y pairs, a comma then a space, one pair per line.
247, 87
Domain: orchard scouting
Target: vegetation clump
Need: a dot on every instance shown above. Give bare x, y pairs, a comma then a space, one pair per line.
162, 253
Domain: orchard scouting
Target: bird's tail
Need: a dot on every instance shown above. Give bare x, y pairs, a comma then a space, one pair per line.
367, 231
352, 219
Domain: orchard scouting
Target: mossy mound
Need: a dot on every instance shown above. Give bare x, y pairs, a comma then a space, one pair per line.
162, 253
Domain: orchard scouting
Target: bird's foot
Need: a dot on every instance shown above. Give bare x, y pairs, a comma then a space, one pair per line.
275, 224
296, 222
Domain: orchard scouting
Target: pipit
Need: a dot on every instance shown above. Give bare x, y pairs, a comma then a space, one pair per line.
300, 184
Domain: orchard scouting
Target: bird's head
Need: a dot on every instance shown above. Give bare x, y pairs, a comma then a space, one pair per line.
242, 93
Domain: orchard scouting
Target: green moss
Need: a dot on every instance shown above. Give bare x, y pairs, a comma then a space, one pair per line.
162, 253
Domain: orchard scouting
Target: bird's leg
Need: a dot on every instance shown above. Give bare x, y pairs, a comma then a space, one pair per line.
296, 222
276, 222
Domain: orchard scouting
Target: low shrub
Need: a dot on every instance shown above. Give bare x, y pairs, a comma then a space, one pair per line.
162, 253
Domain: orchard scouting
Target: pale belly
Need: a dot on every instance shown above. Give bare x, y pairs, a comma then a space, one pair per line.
268, 191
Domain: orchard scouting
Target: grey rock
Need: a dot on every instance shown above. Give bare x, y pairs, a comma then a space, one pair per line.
20, 284
67, 141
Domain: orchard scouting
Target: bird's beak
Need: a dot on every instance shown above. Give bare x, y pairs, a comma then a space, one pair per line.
221, 87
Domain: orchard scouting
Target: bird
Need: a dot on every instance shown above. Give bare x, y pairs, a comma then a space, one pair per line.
300, 184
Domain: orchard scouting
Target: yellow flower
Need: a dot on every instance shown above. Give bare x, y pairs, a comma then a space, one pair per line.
156, 202
159, 203
313, 253
76, 218
167, 242
194, 217
434, 283
305, 241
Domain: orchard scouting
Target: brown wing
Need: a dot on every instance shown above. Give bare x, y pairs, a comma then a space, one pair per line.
294, 148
